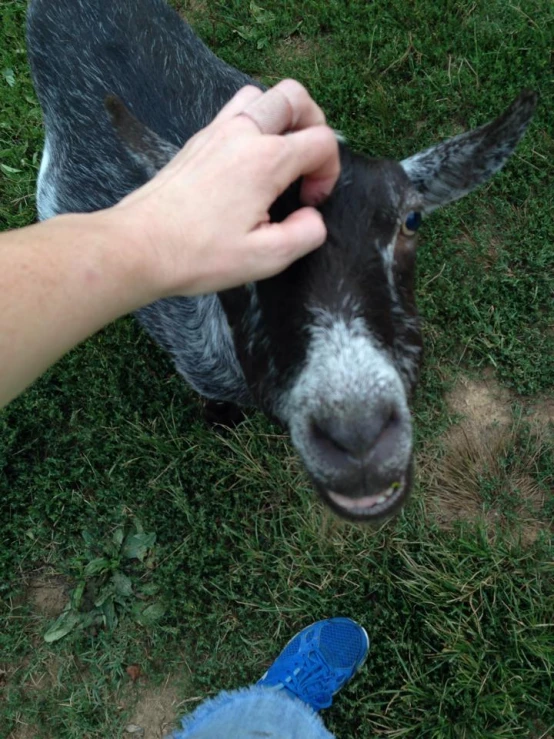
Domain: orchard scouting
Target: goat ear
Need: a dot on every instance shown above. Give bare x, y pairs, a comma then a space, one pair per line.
147, 149
450, 170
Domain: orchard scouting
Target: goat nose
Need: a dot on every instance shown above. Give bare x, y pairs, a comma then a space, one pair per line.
342, 440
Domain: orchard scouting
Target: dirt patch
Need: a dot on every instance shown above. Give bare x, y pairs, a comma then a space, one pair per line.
47, 595
156, 712
24, 731
486, 467
483, 404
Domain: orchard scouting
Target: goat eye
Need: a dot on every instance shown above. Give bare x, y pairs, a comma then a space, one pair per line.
411, 224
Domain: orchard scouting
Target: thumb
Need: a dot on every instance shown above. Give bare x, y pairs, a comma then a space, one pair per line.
280, 244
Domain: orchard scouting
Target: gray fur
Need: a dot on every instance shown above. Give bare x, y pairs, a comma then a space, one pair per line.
85, 167
205, 353
448, 171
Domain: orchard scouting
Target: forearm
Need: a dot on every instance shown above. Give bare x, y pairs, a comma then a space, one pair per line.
60, 282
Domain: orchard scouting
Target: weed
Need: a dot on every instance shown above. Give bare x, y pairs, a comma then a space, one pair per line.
105, 588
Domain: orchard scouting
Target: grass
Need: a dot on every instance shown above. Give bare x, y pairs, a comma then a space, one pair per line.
243, 555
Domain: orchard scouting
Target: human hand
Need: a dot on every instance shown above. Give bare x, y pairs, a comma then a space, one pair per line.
202, 224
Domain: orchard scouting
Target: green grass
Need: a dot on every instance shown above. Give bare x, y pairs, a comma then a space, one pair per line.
244, 556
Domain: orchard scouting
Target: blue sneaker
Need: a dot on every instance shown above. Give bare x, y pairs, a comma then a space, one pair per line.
319, 661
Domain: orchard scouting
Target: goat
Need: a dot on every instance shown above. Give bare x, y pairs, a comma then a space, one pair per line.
330, 348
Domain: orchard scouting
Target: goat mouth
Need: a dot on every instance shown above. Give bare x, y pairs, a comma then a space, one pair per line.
368, 507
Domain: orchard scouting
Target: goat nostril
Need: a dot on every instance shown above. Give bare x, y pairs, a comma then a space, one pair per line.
394, 420
355, 437
346, 437
324, 439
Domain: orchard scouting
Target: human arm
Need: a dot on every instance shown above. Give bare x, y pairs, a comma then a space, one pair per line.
62, 280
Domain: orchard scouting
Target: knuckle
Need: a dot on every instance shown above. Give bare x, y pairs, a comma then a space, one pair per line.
302, 103
293, 87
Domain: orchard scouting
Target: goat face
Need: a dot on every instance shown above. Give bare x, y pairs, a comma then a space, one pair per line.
331, 347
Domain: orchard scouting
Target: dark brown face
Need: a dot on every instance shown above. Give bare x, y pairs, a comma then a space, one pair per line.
332, 346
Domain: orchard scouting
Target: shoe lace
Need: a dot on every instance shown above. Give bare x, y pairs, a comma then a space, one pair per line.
313, 679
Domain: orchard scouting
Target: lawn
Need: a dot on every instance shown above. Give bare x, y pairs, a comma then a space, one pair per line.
189, 557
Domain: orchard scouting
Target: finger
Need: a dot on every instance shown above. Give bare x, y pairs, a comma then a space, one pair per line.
314, 155
285, 107
305, 111
282, 243
244, 97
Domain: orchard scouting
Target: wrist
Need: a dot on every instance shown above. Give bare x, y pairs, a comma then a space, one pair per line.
146, 248
127, 254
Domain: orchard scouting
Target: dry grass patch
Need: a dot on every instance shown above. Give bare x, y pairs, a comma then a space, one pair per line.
541, 412
295, 48
478, 477
488, 466
192, 9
